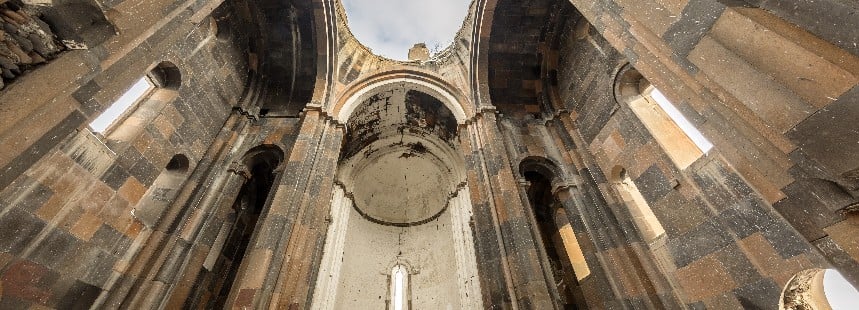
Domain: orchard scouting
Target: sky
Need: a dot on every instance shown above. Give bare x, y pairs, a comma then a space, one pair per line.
129, 98
390, 27
839, 292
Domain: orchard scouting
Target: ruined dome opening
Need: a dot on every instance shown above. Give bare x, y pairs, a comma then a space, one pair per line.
389, 28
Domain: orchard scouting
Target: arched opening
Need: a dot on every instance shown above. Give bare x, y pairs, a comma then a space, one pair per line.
236, 233
642, 215
399, 202
563, 253
138, 106
162, 192
678, 137
399, 297
818, 289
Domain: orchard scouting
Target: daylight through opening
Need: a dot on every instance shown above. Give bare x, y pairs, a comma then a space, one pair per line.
122, 105
399, 287
389, 28
693, 133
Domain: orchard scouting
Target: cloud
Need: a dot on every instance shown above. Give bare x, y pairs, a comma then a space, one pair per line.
391, 27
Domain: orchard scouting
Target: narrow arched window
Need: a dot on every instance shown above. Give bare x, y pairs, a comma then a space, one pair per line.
162, 192
642, 215
139, 106
399, 299
677, 136
122, 106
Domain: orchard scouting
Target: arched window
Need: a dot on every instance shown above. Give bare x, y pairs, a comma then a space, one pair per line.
819, 289
642, 215
400, 298
141, 103
675, 134
237, 232
564, 258
122, 106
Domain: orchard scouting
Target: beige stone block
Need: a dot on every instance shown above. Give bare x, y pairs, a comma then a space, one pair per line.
258, 263
86, 226
613, 145
772, 102
134, 229
846, 235
51, 208
704, 278
162, 123
652, 14
758, 39
132, 190
675, 6
766, 259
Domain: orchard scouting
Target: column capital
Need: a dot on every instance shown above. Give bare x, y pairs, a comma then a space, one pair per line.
240, 170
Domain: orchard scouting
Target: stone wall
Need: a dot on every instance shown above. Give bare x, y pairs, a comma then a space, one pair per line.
755, 85
69, 233
535, 81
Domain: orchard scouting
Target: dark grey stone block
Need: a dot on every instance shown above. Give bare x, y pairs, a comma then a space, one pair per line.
20, 224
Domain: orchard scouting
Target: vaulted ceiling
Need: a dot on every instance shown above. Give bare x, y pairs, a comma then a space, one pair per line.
518, 30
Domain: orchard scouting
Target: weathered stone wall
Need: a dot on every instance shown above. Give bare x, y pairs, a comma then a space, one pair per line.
756, 86
773, 90
69, 233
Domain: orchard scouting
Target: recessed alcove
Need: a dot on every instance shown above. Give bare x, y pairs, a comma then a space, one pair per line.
402, 201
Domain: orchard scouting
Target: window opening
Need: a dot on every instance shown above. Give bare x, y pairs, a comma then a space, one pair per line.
399, 288
246, 210
693, 133
391, 27
819, 289
680, 140
162, 192
557, 235
122, 106
839, 292
642, 215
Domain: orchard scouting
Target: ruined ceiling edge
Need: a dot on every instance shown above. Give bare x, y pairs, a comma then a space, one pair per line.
325, 23
451, 96
485, 13
343, 24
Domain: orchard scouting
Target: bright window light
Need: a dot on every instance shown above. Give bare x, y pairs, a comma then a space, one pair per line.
681, 121
399, 283
840, 294
121, 105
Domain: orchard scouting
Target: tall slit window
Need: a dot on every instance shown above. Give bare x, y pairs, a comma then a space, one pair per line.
122, 106
683, 143
399, 288
693, 133
642, 215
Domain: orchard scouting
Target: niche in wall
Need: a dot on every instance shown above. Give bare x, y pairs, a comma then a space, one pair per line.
162, 192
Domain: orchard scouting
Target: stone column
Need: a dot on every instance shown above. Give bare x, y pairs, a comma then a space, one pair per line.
497, 204
328, 278
279, 267
541, 248
466, 261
